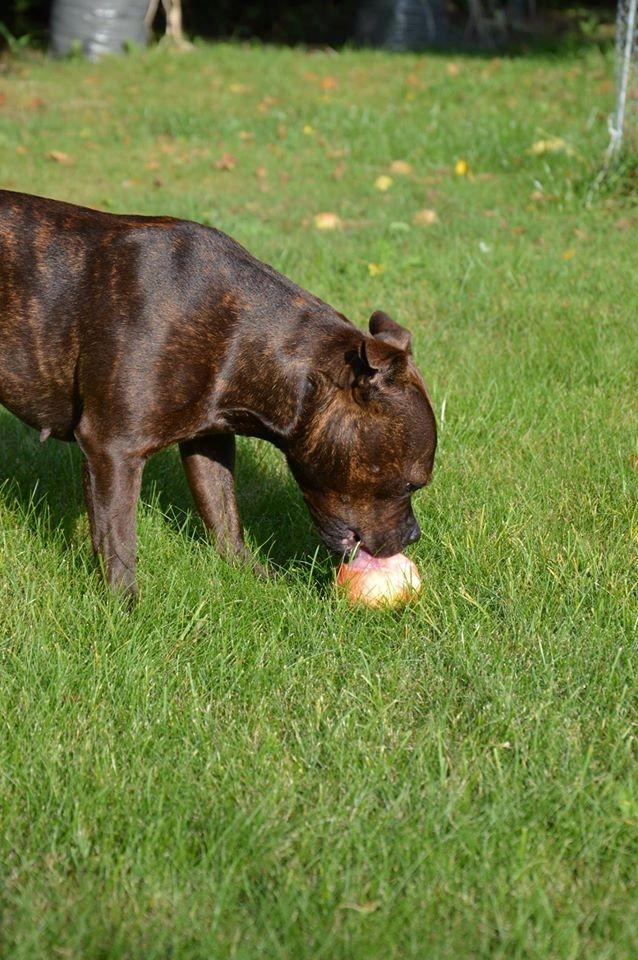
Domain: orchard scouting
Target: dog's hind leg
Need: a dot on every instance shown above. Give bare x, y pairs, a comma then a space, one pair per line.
112, 485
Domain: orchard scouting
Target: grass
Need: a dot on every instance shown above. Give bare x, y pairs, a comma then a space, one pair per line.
243, 770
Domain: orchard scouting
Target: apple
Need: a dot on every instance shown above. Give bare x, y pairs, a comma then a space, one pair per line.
379, 581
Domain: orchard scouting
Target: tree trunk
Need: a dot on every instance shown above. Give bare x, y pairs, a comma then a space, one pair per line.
97, 28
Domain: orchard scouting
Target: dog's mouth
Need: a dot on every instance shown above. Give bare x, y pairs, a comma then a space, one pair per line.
351, 543
339, 538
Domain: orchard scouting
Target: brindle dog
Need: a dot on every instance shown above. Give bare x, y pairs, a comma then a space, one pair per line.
129, 334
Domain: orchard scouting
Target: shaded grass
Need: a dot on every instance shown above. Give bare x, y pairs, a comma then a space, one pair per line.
246, 769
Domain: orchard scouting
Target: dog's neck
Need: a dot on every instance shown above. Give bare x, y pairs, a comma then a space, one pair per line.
278, 383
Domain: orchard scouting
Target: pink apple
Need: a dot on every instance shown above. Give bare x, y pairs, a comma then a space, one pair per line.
379, 581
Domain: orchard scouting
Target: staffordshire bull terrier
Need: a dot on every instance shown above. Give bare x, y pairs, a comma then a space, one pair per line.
128, 334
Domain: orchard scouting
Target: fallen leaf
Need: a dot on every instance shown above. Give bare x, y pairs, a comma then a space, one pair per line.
246, 135
36, 103
425, 218
329, 83
22, 149
569, 254
453, 69
401, 167
369, 907
226, 162
383, 182
374, 269
326, 221
60, 157
261, 173
308, 131
550, 145
266, 103
461, 168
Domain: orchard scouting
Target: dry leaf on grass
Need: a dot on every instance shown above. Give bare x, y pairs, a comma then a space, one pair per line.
550, 145
226, 162
60, 157
401, 167
374, 269
383, 182
326, 221
425, 218
266, 103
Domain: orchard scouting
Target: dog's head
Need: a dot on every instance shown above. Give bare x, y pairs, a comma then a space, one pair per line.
368, 443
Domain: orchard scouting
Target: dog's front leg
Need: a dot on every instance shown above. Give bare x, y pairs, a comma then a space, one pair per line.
111, 488
209, 463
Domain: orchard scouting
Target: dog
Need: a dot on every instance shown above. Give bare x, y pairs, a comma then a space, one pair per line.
128, 334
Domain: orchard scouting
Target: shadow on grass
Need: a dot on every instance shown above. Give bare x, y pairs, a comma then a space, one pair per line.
274, 516
43, 482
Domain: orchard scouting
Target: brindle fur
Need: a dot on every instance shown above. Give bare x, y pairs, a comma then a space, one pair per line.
128, 334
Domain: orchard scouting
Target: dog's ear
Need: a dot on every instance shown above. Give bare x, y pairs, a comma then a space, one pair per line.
382, 327
373, 366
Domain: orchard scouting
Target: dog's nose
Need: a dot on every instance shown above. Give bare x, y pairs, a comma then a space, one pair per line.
414, 532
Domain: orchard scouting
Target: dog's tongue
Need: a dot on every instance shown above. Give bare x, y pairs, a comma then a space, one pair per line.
363, 560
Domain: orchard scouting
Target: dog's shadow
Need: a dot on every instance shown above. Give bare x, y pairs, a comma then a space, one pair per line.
42, 482
274, 517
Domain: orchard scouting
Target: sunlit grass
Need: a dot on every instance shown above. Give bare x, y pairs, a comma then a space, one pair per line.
244, 769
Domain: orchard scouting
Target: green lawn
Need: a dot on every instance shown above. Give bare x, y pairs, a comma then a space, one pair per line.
242, 769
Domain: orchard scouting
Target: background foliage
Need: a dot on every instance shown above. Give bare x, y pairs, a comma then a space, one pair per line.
304, 21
